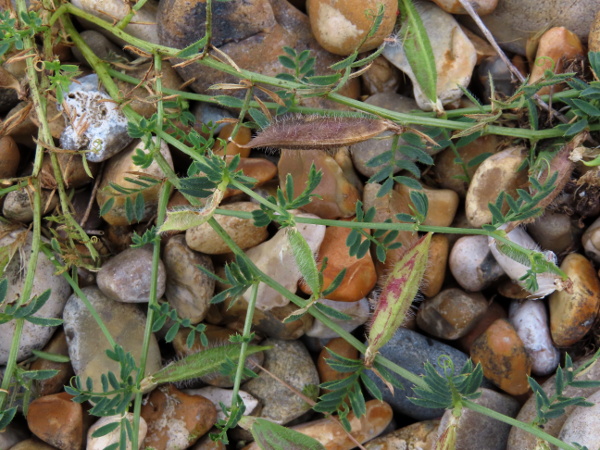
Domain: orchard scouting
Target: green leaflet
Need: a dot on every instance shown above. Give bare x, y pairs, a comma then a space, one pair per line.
305, 259
197, 365
418, 49
270, 436
397, 296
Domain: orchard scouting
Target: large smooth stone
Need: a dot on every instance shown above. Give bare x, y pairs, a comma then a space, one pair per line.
411, 350
87, 345
100, 443
583, 424
34, 337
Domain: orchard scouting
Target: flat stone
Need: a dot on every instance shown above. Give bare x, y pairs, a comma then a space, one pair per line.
100, 443
127, 276
33, 337
359, 313
57, 420
105, 133
411, 350
87, 345
290, 362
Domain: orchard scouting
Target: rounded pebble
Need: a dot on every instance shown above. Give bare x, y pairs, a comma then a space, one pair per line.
473, 265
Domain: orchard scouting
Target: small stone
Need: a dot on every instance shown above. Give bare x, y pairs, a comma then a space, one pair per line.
72, 169
24, 129
454, 54
476, 431
100, 45
32, 444
531, 322
33, 337
57, 420
176, 420
9, 157
242, 137
520, 439
419, 435
381, 77
447, 171
499, 173
451, 314
360, 275
557, 49
218, 395
555, 232
87, 345
289, 361
208, 113
443, 204
56, 346
276, 259
339, 196
340, 27
127, 276
494, 312
206, 443
411, 350
436, 266
594, 36
105, 130
583, 424
341, 347
513, 22
494, 73
116, 170
473, 265
100, 443
503, 357
142, 25
359, 313
591, 241
572, 315
188, 289
12, 434
18, 205
203, 239
481, 7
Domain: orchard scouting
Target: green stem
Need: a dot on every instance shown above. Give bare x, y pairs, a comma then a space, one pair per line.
127, 18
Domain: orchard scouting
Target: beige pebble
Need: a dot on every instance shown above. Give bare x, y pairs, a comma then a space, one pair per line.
594, 36
591, 241
443, 204
472, 263
436, 266
481, 7
420, 435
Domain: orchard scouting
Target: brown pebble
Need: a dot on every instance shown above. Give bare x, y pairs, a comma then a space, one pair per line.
56, 346
436, 266
9, 157
594, 37
340, 347
243, 136
57, 420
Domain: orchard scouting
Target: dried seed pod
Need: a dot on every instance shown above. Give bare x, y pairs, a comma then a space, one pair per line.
317, 132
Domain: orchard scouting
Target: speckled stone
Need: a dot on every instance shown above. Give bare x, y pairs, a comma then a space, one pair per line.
419, 435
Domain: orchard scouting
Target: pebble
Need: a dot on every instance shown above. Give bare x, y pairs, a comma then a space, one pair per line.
359, 313
472, 264
188, 289
530, 319
9, 157
94, 121
494, 69
447, 172
202, 238
411, 350
207, 113
520, 439
338, 194
340, 27
583, 424
142, 25
127, 276
57, 420
493, 312
475, 431
100, 443
24, 130
455, 56
289, 361
176, 420
555, 232
57, 346
100, 45
34, 337
503, 357
242, 137
434, 276
594, 36
87, 346
443, 204
340, 347
206, 443
558, 47
32, 444
11, 435
591, 241
482, 7
418, 436
498, 173
116, 170
333, 437
513, 22
451, 314
381, 77
18, 205
9, 93
73, 172
572, 315
218, 395
276, 259
360, 275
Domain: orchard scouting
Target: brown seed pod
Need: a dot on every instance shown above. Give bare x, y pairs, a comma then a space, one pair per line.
317, 132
